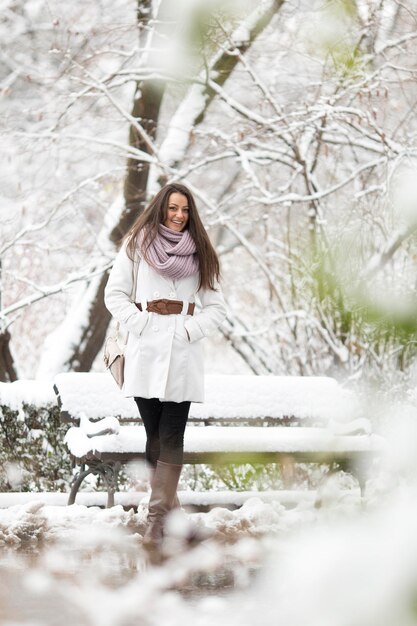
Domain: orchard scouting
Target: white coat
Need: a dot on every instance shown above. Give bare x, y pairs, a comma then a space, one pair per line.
160, 361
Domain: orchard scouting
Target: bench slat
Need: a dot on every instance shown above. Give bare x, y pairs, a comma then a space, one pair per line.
239, 441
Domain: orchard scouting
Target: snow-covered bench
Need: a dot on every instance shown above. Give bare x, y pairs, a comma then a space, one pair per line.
326, 420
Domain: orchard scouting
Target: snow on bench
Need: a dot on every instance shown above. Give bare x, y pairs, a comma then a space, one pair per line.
103, 446
228, 444
227, 397
32, 392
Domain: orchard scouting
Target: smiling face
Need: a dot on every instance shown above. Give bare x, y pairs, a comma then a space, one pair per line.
177, 214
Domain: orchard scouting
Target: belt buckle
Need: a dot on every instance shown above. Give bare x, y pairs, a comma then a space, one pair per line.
162, 307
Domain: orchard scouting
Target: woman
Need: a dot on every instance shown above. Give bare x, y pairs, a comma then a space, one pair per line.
169, 252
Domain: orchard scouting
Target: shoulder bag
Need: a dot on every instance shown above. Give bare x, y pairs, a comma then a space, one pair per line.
114, 358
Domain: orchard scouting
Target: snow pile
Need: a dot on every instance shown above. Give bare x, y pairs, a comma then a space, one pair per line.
34, 522
34, 392
75, 520
106, 426
255, 518
20, 525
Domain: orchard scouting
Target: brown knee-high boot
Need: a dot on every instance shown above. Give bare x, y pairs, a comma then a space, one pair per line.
164, 489
176, 503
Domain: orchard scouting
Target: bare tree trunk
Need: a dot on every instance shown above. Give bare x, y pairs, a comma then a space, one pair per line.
146, 106
7, 370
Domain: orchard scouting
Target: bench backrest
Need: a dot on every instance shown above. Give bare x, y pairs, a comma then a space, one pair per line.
228, 398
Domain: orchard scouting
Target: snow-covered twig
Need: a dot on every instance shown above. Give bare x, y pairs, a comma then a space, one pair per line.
380, 259
46, 291
41, 225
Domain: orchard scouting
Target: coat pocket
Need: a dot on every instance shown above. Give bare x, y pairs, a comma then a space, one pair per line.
180, 331
146, 322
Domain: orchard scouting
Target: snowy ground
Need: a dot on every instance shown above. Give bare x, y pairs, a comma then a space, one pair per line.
87, 566
341, 563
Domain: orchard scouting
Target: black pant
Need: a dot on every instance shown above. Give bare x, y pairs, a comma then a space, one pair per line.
165, 424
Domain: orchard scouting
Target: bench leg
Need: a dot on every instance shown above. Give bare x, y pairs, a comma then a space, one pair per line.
359, 469
77, 483
288, 471
110, 473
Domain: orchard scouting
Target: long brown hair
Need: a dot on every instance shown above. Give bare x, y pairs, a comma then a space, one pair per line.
155, 213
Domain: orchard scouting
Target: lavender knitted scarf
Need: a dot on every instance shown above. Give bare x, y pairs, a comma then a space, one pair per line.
172, 253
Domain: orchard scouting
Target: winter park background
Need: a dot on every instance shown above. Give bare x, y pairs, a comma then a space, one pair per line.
294, 123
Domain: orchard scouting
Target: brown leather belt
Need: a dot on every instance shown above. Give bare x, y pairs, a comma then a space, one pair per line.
163, 306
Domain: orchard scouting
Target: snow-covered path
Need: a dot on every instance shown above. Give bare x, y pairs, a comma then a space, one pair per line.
337, 564
84, 565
